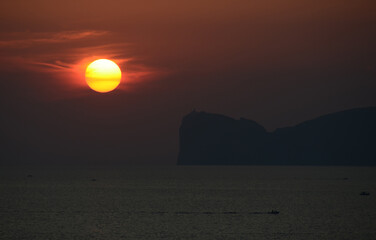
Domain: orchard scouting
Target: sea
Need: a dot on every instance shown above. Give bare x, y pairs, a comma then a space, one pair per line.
187, 202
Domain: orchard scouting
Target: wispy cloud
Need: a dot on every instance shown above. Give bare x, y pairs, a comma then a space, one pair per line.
58, 65
60, 51
66, 54
27, 39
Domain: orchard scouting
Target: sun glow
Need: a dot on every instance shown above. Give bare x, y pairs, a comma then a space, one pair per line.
103, 75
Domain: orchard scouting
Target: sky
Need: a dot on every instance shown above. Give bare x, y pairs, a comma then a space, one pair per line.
275, 62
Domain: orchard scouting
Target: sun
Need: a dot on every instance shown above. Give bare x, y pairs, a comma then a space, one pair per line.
103, 75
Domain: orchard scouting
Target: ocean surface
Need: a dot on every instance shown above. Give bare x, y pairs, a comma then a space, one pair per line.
181, 202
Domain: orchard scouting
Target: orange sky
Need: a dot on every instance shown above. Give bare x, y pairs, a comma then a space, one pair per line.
276, 62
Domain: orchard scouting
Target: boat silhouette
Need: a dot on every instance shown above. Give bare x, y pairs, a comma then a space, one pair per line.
273, 212
364, 193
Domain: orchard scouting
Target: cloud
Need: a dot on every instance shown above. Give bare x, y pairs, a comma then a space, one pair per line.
65, 55
28, 39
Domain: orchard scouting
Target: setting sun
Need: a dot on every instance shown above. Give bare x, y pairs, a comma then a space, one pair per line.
103, 75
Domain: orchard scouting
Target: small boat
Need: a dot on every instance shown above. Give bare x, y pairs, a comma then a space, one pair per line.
273, 212
364, 194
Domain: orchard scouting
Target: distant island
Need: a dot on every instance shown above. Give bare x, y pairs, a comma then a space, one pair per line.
342, 138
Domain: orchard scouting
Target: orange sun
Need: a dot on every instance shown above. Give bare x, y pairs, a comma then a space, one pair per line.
103, 75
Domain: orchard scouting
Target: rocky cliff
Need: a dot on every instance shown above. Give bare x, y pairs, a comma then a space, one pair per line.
343, 138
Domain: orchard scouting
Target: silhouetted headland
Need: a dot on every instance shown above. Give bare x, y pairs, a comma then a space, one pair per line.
342, 138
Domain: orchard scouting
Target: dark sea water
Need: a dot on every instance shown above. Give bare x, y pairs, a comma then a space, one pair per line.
187, 203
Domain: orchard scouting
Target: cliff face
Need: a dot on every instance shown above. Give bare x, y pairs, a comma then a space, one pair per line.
217, 139
343, 138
